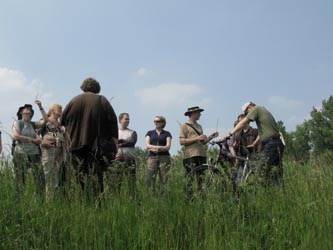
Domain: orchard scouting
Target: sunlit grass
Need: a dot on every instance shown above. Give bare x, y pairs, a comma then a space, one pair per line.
298, 216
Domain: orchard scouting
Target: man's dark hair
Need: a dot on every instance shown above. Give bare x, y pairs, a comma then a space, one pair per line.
91, 85
240, 116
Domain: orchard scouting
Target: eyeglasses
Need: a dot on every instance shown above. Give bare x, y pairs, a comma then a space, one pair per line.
157, 121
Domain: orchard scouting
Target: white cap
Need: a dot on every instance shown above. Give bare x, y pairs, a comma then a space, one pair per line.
245, 106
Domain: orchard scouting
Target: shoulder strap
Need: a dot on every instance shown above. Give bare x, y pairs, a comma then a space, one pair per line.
33, 124
21, 124
190, 125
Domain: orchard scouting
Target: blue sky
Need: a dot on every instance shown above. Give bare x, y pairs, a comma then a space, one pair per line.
160, 57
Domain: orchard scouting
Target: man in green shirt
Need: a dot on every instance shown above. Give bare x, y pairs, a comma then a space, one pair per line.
269, 136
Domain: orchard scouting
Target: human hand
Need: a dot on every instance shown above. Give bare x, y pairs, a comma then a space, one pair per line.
39, 103
202, 138
37, 141
225, 138
214, 135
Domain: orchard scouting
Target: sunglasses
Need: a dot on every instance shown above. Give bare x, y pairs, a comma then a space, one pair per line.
157, 121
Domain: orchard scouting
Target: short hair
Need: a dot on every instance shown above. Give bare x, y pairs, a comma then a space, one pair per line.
121, 116
91, 85
241, 116
53, 107
162, 119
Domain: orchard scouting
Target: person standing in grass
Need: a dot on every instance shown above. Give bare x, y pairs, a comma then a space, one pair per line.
192, 139
54, 149
92, 126
272, 147
126, 152
158, 143
26, 150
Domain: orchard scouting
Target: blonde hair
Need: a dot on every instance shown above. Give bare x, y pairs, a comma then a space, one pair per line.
53, 107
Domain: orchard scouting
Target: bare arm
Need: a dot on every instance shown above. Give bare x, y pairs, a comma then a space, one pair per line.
238, 127
212, 136
232, 151
167, 146
150, 147
41, 123
18, 137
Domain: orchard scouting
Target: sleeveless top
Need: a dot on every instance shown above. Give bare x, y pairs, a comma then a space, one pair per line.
28, 148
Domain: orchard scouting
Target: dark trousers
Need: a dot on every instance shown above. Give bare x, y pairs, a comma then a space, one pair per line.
89, 170
190, 164
120, 170
22, 162
270, 164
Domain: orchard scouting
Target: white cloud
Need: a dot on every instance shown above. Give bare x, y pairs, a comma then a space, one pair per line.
171, 94
16, 90
143, 72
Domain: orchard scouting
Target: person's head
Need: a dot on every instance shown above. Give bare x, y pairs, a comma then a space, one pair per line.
124, 120
247, 107
91, 85
159, 121
56, 110
241, 117
194, 113
28, 112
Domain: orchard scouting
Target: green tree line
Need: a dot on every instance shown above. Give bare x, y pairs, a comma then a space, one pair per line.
313, 137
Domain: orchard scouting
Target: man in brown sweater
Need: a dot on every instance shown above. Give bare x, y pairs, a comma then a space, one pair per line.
92, 126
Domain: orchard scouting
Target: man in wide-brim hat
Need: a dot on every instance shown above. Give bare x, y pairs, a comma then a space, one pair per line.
192, 138
192, 110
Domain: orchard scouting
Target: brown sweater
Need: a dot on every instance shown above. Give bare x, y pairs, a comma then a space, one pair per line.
87, 116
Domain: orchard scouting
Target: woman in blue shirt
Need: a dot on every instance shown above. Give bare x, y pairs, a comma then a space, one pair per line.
158, 143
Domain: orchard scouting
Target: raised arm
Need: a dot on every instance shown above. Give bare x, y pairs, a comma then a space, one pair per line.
41, 123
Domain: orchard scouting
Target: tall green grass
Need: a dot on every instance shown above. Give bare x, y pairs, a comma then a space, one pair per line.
298, 216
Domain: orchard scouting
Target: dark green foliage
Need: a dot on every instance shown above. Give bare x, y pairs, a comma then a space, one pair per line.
321, 127
313, 137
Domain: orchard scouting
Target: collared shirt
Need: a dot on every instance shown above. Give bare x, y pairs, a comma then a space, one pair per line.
158, 140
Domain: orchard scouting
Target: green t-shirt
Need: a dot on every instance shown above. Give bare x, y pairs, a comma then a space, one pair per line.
265, 121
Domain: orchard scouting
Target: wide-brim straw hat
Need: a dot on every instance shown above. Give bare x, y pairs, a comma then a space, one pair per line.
193, 109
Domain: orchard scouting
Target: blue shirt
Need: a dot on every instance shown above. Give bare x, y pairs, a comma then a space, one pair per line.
158, 140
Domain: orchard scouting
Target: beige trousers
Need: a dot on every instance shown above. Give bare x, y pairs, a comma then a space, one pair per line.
160, 165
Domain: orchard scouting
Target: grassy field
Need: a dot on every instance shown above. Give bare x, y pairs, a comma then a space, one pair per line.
299, 216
